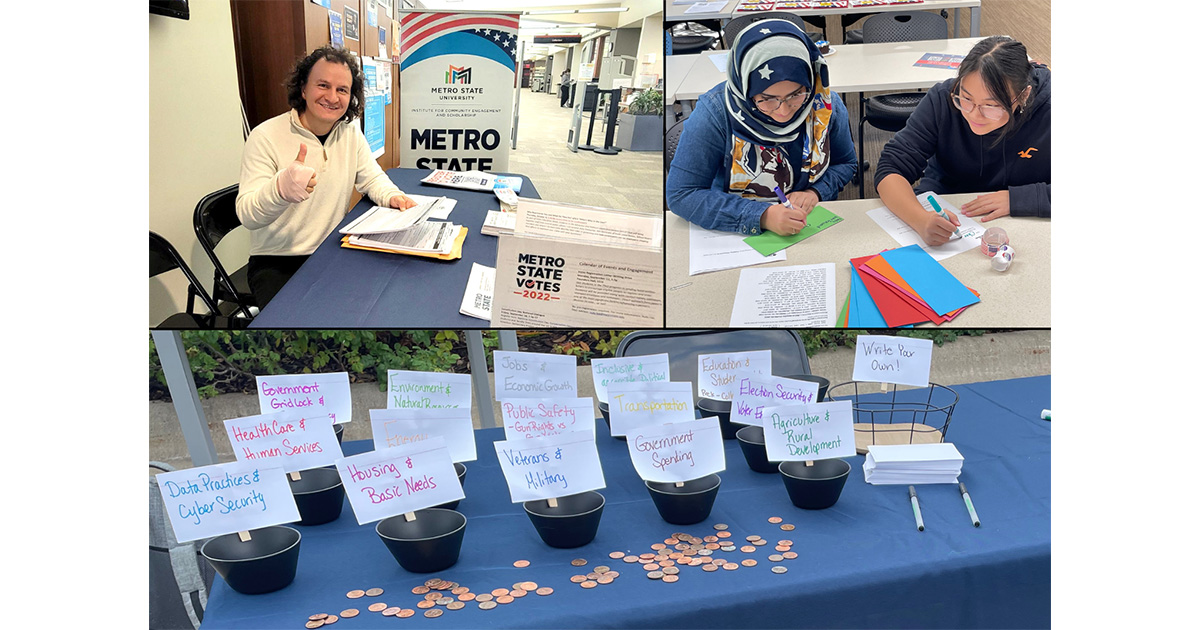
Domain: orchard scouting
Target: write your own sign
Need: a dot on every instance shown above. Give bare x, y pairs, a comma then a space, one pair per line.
285, 439
809, 432
310, 394
717, 374
225, 498
399, 480
680, 451
428, 390
550, 467
396, 427
898, 360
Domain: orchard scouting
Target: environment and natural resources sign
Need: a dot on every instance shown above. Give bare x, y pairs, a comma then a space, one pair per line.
457, 76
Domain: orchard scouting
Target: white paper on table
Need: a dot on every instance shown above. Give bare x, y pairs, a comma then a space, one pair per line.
428, 390
398, 480
809, 432
391, 428
507, 195
499, 222
801, 296
224, 498
758, 391
707, 7
679, 451
306, 393
720, 60
912, 464
534, 375
905, 235
550, 467
477, 299
427, 237
710, 250
652, 368
284, 439
540, 417
898, 360
633, 405
717, 374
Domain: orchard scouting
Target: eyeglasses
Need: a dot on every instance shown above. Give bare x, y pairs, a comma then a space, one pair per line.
772, 103
991, 112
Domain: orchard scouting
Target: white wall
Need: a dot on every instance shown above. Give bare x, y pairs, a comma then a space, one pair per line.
195, 139
651, 44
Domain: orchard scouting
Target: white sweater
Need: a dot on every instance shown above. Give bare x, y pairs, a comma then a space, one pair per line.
280, 228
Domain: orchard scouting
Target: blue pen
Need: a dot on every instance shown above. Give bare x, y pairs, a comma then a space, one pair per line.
783, 198
941, 213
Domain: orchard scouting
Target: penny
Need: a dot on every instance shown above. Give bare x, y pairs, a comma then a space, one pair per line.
442, 601
355, 594
466, 597
730, 566
521, 564
545, 590
433, 613
376, 607
406, 613
748, 549
749, 562
578, 562
658, 546
330, 619
753, 538
455, 605
374, 592
630, 559
660, 557
791, 555
670, 578
485, 597
391, 611
786, 542
518, 592
605, 579
601, 569
431, 581
528, 586
588, 584
720, 527
460, 590
578, 578
775, 519
423, 604
315, 624
710, 567
719, 561
670, 570
758, 543
651, 567
593, 575
723, 534
318, 616
655, 575
488, 605
711, 538
504, 599
497, 592
779, 569
431, 596
612, 574
787, 527
782, 547
617, 555
349, 612
775, 557
420, 590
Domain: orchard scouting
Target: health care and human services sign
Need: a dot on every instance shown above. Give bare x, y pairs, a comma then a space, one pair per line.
457, 75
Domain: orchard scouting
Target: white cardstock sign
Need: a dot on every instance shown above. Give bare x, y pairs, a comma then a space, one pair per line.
540, 417
651, 368
399, 480
809, 432
716, 377
306, 393
428, 390
224, 498
898, 360
633, 405
680, 451
756, 391
285, 439
396, 427
550, 467
534, 375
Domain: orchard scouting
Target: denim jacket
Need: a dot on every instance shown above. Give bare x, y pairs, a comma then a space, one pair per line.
699, 173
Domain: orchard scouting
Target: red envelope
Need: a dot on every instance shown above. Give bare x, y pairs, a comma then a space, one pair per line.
896, 310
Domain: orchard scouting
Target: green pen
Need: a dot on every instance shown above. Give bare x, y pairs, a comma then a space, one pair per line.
941, 213
912, 496
962, 489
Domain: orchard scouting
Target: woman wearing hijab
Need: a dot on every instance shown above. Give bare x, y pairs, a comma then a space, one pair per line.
773, 123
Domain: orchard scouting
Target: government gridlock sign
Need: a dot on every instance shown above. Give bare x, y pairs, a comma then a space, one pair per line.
457, 72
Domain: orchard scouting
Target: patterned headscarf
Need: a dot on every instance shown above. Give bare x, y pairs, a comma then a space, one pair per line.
765, 53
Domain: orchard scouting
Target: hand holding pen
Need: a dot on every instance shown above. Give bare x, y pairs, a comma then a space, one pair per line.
788, 217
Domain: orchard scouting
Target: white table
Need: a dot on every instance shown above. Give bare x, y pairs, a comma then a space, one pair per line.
1019, 297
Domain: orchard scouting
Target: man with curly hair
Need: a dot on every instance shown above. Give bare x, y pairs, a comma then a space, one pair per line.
298, 169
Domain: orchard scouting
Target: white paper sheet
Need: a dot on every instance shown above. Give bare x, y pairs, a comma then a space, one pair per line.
309, 394
785, 297
899, 360
534, 375
399, 426
526, 418
428, 390
546, 467
721, 60
718, 376
809, 432
969, 229
680, 451
225, 498
632, 405
285, 439
707, 7
400, 479
654, 368
710, 250
477, 299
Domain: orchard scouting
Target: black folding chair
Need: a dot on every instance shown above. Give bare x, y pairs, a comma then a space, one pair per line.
163, 258
216, 216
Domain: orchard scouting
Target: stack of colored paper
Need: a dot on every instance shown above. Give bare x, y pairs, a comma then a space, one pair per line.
909, 464
902, 287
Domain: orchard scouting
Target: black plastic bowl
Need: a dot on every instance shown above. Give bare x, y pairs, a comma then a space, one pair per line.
338, 429
815, 487
821, 381
607, 422
461, 471
754, 448
265, 563
685, 505
429, 543
573, 523
318, 495
720, 408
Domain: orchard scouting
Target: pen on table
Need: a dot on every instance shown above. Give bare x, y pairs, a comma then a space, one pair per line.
941, 213
912, 496
962, 489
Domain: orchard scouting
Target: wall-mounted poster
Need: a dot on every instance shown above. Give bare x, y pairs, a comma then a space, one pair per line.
351, 20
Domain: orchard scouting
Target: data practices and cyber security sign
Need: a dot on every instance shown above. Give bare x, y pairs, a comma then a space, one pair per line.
534, 375
428, 390
898, 360
225, 498
457, 79
399, 480
550, 467
292, 441
540, 417
680, 451
809, 432
396, 427
654, 368
309, 394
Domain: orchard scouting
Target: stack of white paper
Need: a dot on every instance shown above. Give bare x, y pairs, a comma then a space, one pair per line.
498, 222
911, 464
430, 237
380, 220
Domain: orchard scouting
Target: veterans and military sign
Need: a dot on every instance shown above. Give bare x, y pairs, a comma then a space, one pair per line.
457, 75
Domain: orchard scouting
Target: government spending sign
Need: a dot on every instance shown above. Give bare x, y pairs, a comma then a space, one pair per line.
457, 72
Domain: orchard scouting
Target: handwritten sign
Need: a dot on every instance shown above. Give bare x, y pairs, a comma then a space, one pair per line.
651, 368
224, 498
756, 391
310, 394
899, 360
534, 375
809, 432
398, 480
717, 377
680, 451
550, 467
633, 405
428, 390
288, 438
540, 417
396, 427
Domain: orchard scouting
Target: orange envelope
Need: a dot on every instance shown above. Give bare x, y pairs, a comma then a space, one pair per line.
454, 254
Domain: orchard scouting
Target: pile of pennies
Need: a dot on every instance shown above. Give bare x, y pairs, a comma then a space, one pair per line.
438, 596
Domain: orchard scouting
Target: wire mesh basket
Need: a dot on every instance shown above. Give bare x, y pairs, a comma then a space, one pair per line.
903, 416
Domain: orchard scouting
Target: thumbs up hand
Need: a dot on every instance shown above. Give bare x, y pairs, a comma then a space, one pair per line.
297, 181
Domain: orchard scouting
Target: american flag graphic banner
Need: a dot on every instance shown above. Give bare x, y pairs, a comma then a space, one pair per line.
457, 76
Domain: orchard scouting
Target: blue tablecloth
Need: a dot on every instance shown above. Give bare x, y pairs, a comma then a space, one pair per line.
862, 563
345, 288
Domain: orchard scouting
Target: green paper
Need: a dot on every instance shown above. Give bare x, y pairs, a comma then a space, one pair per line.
768, 243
